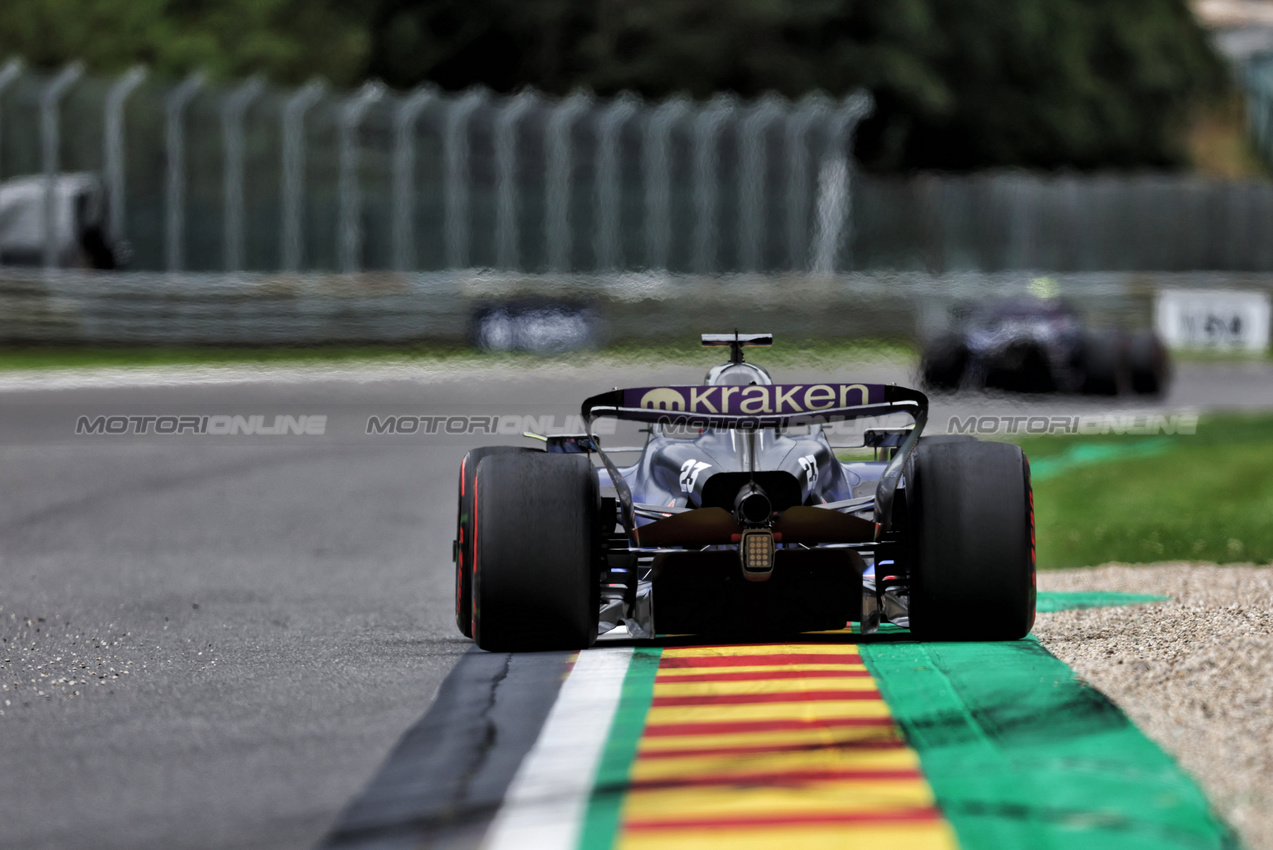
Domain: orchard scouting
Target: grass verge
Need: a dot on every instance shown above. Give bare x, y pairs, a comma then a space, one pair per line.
1206, 496
55, 358
673, 352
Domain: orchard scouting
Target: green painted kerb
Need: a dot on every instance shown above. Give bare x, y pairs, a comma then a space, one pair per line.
601, 822
1020, 753
1049, 603
1092, 454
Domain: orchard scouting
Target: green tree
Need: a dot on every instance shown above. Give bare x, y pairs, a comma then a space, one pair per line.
958, 83
287, 40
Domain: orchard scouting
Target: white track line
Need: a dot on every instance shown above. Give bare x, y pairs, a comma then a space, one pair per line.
419, 371
548, 797
106, 377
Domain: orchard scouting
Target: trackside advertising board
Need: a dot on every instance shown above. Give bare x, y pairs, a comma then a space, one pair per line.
1213, 319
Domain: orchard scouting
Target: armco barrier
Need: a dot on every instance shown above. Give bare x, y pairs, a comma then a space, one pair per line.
99, 308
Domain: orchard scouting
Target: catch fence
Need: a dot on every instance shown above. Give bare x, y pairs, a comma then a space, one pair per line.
205, 178
1257, 75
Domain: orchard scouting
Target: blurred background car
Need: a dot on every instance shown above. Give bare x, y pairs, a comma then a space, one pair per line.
78, 219
1038, 345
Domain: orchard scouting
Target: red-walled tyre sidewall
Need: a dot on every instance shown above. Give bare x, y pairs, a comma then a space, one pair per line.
464, 534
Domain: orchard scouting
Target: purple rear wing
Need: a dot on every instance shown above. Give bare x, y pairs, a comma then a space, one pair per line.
760, 406
756, 406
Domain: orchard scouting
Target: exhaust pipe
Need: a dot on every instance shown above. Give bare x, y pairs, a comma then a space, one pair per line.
752, 506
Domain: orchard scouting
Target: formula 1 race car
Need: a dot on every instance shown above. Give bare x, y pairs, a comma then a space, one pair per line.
1042, 345
736, 519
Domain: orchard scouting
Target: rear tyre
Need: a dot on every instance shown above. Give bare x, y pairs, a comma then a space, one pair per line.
943, 362
1104, 364
1147, 357
537, 552
1025, 369
464, 534
971, 523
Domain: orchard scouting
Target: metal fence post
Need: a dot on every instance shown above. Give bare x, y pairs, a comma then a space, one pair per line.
113, 148
8, 74
404, 180
457, 176
609, 191
707, 129
233, 108
175, 108
835, 202
50, 143
1262, 103
560, 153
1259, 121
1258, 82
754, 166
293, 167
833, 187
351, 115
657, 166
809, 109
506, 229
857, 108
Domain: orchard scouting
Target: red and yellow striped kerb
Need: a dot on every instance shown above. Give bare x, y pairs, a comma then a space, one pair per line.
774, 746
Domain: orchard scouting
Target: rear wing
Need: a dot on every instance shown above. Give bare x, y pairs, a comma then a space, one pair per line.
737, 339
737, 342
764, 406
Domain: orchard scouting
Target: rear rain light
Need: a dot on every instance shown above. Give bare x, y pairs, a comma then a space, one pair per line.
756, 550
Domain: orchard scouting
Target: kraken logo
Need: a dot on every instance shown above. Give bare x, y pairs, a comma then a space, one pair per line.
663, 398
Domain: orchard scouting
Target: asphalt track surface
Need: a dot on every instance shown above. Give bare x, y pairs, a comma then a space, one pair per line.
220, 641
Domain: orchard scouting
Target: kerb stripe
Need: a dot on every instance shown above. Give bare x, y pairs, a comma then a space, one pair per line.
549, 794
922, 815
673, 662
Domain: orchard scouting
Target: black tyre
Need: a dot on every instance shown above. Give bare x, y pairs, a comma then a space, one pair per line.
1150, 369
1023, 368
943, 362
464, 534
971, 526
1104, 364
536, 576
